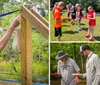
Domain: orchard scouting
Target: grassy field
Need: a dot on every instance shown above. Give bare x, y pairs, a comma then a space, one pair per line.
69, 32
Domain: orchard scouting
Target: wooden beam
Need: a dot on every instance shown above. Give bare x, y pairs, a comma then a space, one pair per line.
26, 51
35, 21
40, 17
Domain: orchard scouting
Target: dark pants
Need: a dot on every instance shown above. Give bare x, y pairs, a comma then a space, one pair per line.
68, 14
58, 32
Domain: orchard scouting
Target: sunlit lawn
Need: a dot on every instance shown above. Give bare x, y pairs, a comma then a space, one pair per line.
69, 32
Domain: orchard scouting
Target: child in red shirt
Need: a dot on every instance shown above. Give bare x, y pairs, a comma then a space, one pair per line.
91, 23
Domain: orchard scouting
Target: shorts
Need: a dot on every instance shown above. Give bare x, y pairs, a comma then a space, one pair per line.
58, 32
79, 19
73, 16
92, 22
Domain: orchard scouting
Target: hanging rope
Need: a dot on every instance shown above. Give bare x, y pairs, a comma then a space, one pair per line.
8, 13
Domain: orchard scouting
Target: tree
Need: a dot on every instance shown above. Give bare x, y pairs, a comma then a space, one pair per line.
65, 1
2, 2
86, 3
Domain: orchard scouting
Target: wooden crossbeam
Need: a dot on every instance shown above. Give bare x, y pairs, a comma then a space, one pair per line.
40, 17
40, 24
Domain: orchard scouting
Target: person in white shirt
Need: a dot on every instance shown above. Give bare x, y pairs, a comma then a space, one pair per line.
92, 74
67, 66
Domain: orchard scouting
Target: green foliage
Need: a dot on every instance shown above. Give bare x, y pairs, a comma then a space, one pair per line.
2, 3
98, 8
65, 1
84, 3
40, 54
40, 68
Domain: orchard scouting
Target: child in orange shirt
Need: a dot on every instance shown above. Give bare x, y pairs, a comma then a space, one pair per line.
58, 20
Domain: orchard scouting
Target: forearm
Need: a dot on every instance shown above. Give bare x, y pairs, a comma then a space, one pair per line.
58, 72
78, 14
91, 18
7, 35
77, 78
57, 20
77, 73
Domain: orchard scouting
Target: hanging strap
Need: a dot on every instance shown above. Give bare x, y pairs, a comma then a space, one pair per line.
1, 30
16, 42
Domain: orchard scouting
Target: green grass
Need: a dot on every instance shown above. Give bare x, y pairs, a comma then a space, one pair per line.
39, 68
69, 32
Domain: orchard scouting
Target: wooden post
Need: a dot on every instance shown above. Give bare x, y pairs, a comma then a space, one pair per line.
26, 52
27, 20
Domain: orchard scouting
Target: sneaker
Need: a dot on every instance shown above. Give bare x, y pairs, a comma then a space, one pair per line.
91, 39
87, 35
78, 29
72, 23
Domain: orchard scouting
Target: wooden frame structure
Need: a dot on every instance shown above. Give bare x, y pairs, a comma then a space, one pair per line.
30, 18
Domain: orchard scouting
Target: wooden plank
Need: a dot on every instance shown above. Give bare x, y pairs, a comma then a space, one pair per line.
41, 27
26, 52
40, 17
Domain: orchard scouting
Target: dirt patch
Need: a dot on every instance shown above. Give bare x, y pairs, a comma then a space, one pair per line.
58, 82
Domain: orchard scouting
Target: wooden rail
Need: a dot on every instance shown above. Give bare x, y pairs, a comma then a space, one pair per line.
36, 20
29, 18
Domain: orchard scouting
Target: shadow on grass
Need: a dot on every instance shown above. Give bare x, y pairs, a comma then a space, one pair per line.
66, 21
97, 38
82, 24
65, 25
85, 29
70, 32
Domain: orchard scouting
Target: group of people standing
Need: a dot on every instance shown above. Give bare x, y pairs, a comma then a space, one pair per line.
76, 13
70, 72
